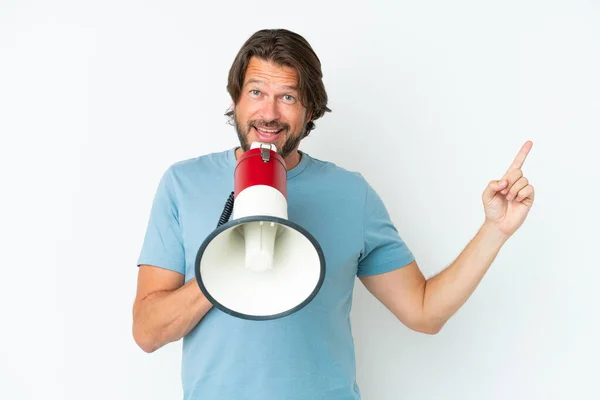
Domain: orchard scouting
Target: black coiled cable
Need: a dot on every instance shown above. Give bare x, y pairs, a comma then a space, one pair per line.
226, 214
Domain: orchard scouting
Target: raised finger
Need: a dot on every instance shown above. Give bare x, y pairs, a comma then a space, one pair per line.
521, 156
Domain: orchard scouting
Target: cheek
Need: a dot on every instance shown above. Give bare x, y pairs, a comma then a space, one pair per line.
295, 117
246, 110
254, 114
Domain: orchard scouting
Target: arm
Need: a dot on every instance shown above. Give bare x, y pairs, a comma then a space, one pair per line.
165, 309
426, 305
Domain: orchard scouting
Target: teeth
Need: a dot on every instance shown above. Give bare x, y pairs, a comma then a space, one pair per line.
268, 131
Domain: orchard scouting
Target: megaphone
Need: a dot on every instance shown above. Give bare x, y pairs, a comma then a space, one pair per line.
259, 265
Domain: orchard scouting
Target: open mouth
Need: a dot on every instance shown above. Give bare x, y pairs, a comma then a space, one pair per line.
266, 134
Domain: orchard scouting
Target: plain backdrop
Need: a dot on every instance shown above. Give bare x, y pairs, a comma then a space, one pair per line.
431, 100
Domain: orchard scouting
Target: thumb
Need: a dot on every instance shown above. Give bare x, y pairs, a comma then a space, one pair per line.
492, 188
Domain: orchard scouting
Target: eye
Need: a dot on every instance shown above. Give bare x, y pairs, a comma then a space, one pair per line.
255, 92
289, 98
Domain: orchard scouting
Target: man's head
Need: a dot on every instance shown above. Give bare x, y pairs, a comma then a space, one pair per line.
277, 90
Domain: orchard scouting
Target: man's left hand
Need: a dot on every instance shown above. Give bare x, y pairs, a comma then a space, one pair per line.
507, 201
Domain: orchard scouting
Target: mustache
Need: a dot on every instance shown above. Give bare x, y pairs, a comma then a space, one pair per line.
270, 124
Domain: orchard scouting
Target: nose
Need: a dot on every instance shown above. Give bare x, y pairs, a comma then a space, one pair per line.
269, 110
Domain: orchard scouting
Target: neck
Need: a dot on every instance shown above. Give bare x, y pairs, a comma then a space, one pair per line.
291, 161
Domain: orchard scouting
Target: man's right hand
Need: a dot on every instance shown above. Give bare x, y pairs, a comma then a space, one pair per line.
165, 309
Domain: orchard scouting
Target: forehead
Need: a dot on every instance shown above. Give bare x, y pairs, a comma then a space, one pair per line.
270, 73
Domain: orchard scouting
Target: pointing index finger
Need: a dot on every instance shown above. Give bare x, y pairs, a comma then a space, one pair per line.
521, 156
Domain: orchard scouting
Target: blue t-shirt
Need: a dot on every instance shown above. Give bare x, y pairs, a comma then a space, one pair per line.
308, 354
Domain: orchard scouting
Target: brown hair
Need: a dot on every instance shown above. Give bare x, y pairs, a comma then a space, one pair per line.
285, 48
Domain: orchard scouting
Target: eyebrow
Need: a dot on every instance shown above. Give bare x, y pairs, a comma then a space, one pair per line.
259, 82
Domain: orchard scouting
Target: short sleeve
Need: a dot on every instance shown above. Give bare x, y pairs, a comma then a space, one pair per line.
383, 249
163, 244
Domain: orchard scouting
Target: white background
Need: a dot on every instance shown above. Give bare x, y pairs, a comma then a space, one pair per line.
430, 100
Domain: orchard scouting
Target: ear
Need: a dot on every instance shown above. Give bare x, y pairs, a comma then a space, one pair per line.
309, 116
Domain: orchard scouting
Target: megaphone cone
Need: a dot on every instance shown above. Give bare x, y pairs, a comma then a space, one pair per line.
259, 265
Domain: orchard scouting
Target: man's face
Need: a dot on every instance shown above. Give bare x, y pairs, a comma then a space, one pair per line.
269, 108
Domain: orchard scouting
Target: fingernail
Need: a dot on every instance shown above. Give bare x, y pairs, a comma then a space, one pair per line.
501, 183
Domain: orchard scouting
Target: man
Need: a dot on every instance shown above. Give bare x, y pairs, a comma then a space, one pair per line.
276, 87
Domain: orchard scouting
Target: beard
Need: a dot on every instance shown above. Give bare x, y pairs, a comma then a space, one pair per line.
291, 138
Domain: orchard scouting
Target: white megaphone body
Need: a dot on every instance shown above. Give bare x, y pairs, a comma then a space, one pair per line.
259, 265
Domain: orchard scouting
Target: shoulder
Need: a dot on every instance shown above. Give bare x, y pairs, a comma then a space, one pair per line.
337, 174
203, 164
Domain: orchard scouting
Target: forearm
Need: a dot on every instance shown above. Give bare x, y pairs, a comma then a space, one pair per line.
165, 317
448, 291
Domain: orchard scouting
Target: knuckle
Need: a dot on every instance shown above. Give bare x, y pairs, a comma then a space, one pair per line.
525, 192
517, 173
